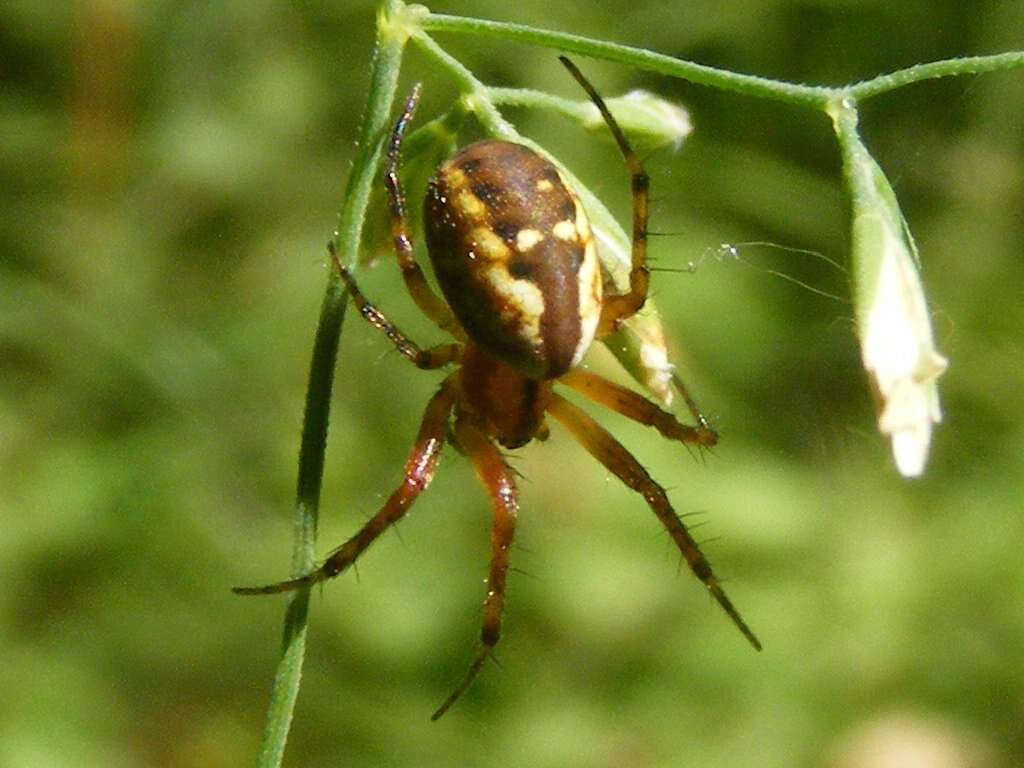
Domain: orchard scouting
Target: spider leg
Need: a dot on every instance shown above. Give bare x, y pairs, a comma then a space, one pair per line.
419, 471
426, 359
634, 406
607, 450
691, 404
429, 302
500, 483
617, 308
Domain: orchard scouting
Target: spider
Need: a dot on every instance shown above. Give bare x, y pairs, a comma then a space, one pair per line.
515, 257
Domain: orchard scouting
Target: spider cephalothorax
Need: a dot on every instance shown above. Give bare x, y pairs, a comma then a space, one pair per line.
512, 249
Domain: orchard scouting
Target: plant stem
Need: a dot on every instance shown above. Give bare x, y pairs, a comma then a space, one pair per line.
533, 99
972, 65
750, 85
806, 95
384, 79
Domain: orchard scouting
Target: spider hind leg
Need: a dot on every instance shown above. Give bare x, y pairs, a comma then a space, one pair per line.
600, 444
419, 471
636, 407
499, 480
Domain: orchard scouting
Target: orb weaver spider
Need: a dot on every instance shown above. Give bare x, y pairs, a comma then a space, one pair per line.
515, 257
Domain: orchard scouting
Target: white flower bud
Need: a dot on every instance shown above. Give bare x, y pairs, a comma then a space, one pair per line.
896, 340
650, 121
897, 345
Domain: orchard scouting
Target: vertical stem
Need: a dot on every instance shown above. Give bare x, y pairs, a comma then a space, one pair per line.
384, 78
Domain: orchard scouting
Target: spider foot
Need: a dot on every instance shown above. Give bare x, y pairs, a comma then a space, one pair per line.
471, 673
706, 437
281, 586
723, 600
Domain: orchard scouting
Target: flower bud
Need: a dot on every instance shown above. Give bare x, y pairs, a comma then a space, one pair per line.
893, 322
650, 121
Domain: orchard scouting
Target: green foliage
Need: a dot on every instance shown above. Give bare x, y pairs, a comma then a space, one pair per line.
172, 173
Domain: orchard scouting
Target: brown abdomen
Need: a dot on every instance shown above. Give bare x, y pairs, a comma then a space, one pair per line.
512, 250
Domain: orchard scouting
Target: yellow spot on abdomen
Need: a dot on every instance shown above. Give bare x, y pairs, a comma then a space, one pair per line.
590, 293
469, 205
489, 245
522, 303
564, 230
527, 238
544, 186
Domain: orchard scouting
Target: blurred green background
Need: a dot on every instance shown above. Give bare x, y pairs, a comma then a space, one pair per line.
171, 172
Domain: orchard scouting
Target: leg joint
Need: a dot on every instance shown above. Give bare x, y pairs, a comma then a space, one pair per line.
490, 635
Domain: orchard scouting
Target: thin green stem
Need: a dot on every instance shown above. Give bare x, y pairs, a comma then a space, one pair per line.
972, 65
855, 156
750, 85
527, 97
474, 92
384, 79
794, 93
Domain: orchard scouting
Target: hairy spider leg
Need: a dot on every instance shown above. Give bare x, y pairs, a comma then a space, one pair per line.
429, 302
617, 308
636, 407
499, 481
693, 408
426, 359
419, 471
600, 444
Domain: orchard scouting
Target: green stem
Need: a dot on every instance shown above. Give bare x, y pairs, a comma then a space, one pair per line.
384, 79
474, 93
750, 85
527, 97
794, 93
972, 65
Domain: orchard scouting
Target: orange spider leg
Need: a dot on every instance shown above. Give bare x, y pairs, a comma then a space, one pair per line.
497, 477
607, 450
634, 406
419, 471
429, 303
427, 359
619, 307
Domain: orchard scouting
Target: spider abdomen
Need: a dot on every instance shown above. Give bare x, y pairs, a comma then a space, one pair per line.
513, 252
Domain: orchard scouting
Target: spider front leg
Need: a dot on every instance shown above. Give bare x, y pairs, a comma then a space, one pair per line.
429, 302
621, 463
419, 471
498, 479
638, 408
426, 359
620, 307
691, 404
